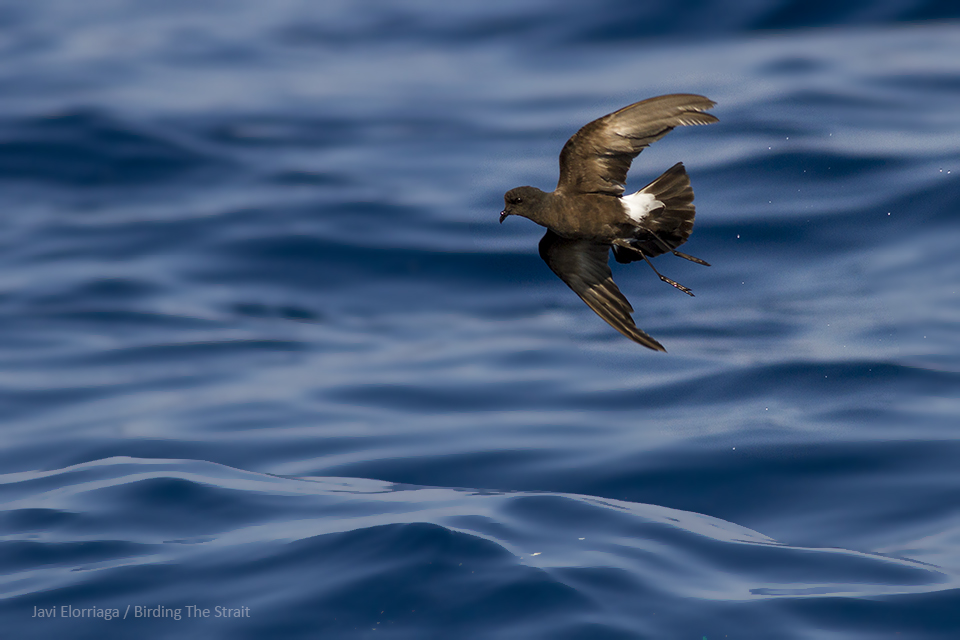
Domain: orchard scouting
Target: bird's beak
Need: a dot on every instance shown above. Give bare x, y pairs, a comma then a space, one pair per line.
503, 216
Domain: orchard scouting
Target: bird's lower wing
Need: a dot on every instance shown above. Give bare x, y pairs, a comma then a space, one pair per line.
582, 264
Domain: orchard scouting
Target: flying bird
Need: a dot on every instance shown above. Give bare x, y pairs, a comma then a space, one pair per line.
588, 213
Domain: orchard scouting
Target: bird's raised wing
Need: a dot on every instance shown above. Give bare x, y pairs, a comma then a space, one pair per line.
582, 264
596, 159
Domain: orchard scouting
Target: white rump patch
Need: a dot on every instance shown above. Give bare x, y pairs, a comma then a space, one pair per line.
638, 205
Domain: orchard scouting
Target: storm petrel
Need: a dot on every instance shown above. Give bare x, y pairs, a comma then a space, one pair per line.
588, 213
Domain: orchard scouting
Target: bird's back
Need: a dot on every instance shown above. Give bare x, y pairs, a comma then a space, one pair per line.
591, 216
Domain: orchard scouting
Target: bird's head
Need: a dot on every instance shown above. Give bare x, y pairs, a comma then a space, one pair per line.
522, 201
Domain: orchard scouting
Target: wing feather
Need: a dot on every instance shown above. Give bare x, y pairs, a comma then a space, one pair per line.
582, 264
596, 159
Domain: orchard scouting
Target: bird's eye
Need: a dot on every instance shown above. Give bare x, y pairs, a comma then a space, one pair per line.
517, 200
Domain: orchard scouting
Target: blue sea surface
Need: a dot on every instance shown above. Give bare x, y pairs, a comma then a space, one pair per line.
270, 367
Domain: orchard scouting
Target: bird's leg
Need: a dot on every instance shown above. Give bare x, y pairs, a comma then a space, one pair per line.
687, 256
665, 278
661, 276
679, 254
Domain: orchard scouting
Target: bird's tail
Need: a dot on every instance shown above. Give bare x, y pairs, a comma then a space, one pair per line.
666, 228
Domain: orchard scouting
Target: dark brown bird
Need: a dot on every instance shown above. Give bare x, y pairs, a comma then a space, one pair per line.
588, 214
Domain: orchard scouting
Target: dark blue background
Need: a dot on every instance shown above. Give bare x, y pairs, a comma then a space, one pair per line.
263, 343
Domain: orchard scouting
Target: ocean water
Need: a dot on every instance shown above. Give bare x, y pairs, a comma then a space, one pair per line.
270, 367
